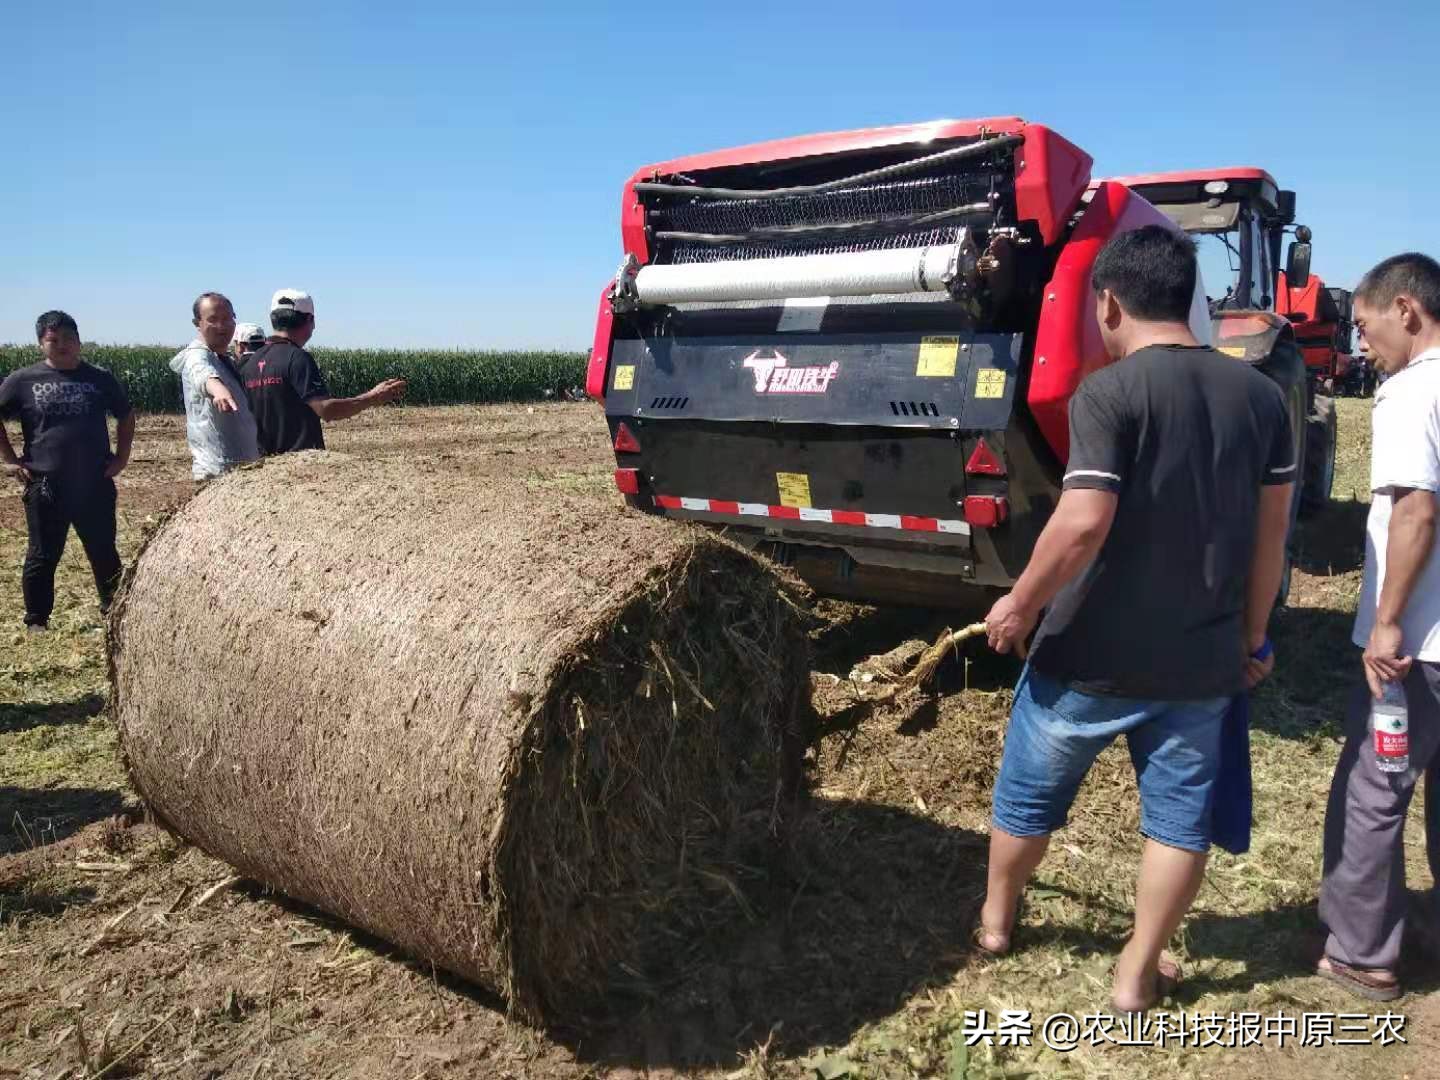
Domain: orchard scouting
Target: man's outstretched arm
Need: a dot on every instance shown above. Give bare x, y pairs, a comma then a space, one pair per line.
330, 409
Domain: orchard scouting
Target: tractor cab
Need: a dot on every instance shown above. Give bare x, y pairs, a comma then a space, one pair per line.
1239, 218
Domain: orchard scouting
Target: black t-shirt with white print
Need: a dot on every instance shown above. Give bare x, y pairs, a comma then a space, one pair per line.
62, 418
280, 380
1186, 437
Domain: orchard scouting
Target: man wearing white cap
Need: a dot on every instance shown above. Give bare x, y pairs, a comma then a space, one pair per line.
248, 337
287, 392
218, 423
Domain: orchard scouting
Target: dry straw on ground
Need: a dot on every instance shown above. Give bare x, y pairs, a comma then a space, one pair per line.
522, 735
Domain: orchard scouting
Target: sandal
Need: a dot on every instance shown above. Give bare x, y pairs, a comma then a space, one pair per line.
1371, 984
1001, 941
1167, 981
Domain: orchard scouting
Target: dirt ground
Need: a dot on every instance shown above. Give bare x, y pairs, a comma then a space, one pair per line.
123, 952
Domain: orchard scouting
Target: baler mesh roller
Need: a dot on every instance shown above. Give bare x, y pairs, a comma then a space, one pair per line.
878, 203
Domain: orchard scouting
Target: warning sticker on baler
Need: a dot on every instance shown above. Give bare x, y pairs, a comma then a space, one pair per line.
794, 489
989, 382
937, 356
624, 377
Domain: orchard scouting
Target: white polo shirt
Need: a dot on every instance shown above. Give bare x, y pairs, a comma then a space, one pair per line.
1404, 453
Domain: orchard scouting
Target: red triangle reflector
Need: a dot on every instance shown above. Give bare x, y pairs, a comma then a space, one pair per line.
983, 462
625, 441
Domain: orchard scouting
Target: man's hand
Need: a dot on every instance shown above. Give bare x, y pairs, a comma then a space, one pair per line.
116, 465
18, 471
1008, 625
1383, 662
1257, 671
220, 395
382, 393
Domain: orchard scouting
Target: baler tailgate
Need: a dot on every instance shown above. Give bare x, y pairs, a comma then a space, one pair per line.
940, 381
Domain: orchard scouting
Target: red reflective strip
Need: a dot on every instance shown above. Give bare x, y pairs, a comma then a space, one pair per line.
792, 513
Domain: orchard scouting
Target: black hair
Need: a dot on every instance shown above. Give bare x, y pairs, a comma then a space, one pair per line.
1151, 270
1413, 274
287, 318
195, 307
54, 320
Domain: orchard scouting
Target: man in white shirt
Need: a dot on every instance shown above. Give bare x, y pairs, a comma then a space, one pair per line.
1362, 894
219, 425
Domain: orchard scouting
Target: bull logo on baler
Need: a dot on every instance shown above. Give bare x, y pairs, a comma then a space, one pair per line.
774, 375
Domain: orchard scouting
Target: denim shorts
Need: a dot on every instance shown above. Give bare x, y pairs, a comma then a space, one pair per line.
1056, 733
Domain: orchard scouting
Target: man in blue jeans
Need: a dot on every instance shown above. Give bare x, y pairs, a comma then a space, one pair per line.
1156, 575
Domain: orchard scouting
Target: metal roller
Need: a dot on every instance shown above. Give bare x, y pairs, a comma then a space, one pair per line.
860, 273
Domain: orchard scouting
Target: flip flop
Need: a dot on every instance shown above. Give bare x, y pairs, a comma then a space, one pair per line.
1006, 939
982, 932
1359, 980
1167, 981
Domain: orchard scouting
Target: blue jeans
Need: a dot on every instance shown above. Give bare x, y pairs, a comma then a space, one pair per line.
1056, 733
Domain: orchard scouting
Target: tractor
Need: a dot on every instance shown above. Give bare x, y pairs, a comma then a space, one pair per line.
1244, 213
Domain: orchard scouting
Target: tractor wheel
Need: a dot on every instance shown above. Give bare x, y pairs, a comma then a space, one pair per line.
1319, 456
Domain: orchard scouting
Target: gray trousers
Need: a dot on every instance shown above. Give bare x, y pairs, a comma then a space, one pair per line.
1362, 894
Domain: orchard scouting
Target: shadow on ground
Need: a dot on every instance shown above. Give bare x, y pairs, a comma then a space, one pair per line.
33, 817
1317, 670
16, 718
876, 904
872, 905
1279, 943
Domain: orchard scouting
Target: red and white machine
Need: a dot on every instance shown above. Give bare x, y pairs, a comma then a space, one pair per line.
858, 349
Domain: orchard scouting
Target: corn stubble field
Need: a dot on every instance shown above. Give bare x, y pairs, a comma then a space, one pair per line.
126, 953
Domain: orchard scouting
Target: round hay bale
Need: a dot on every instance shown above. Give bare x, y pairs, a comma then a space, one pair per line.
522, 735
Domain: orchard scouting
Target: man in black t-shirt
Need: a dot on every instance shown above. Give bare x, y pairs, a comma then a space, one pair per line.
1156, 575
287, 393
66, 465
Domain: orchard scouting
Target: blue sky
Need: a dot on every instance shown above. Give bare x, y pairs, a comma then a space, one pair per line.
448, 173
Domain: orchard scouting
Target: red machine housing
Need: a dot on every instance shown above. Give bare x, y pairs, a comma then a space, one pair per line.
921, 443
1051, 174
1321, 322
1067, 336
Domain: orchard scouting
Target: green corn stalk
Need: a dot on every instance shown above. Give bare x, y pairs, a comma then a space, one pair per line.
436, 376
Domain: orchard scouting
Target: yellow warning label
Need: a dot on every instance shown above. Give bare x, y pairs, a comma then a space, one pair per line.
624, 377
794, 489
937, 356
1237, 351
989, 383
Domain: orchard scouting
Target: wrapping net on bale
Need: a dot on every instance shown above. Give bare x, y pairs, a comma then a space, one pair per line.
524, 736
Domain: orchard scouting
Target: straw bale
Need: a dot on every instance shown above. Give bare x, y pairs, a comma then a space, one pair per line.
523, 735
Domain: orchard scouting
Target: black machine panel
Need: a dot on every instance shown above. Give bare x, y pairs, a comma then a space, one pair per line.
913, 380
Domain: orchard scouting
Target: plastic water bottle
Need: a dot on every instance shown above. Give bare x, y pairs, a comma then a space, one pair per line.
1390, 721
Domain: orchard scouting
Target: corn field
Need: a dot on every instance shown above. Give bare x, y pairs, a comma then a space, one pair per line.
437, 377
